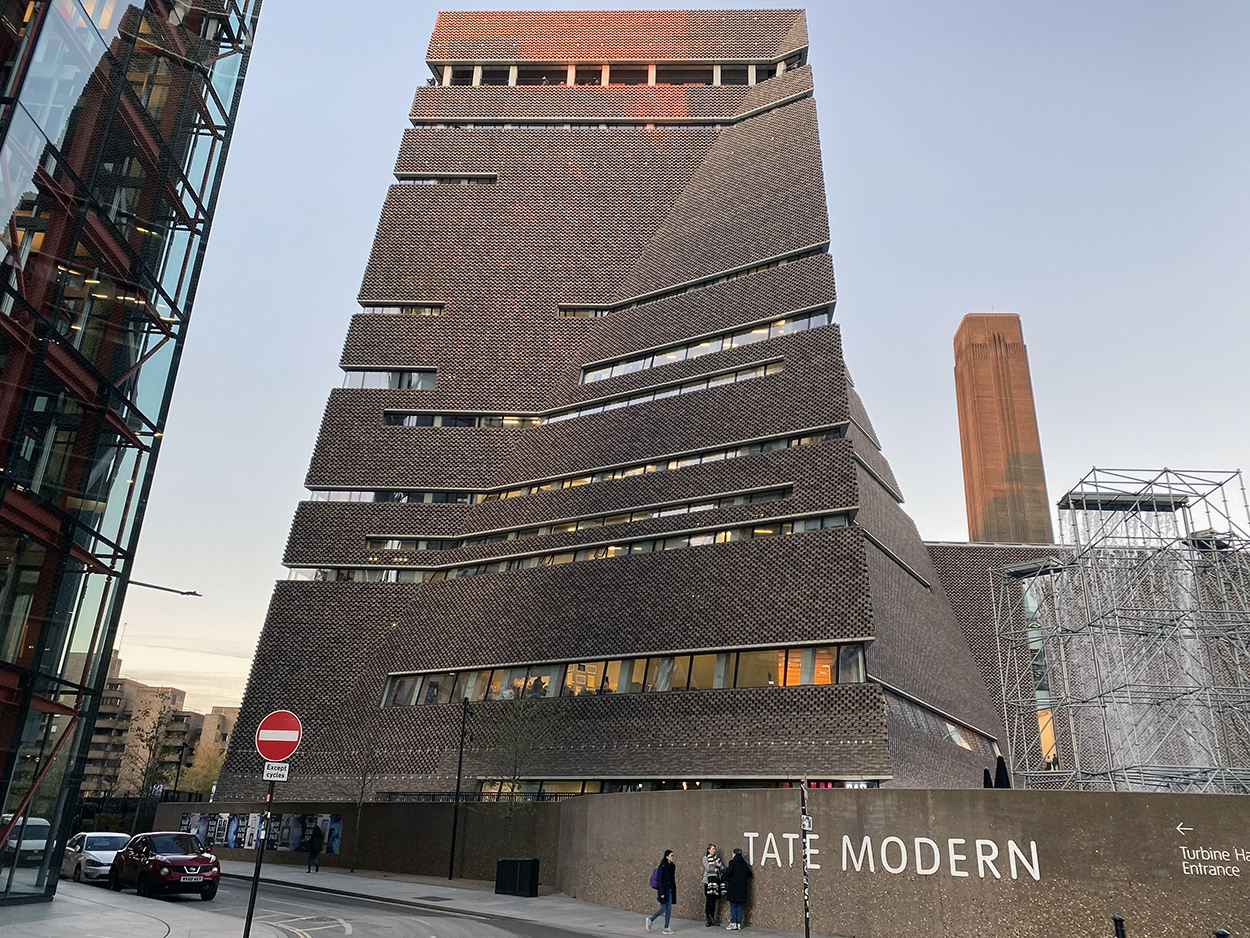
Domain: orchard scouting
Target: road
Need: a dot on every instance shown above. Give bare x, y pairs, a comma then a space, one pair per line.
296, 913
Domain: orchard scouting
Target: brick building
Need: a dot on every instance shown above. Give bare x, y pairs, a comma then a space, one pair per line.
597, 447
1004, 480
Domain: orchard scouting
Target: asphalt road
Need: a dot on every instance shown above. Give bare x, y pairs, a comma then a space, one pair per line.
303, 913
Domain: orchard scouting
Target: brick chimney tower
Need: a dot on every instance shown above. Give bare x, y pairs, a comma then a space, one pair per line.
1004, 482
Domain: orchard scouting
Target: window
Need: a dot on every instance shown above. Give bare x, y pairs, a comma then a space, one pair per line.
543, 75
448, 179
738, 338
589, 74
495, 75
759, 668
733, 75
683, 75
628, 75
428, 309
400, 419
391, 380
851, 664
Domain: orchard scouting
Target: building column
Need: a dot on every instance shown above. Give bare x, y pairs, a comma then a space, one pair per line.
512, 70
477, 76
751, 74
651, 74
446, 75
571, 75
715, 76
605, 74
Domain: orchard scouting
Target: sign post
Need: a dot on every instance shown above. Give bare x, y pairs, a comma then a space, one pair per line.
805, 827
277, 736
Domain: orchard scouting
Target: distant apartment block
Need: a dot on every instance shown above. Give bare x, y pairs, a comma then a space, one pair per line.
118, 754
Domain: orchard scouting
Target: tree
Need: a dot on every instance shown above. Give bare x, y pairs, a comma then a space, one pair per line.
508, 737
205, 768
151, 750
349, 741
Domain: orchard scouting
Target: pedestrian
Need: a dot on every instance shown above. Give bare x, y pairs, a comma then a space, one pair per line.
713, 868
315, 842
738, 884
665, 881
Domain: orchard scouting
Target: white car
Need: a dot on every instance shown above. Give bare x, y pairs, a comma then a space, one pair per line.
89, 856
34, 834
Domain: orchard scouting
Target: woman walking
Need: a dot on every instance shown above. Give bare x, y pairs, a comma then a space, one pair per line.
665, 880
738, 882
712, 870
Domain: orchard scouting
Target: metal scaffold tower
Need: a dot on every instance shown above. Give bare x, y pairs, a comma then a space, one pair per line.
1125, 657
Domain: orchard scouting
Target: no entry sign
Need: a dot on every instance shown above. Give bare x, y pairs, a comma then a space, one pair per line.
278, 736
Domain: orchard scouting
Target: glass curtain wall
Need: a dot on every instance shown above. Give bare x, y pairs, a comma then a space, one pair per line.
114, 126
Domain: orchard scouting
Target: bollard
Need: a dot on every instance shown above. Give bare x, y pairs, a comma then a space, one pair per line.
1222, 933
1119, 925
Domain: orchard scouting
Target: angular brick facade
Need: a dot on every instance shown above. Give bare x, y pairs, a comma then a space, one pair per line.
540, 232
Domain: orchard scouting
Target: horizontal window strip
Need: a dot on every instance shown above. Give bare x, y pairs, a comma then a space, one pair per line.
701, 538
738, 337
614, 474
421, 380
569, 525
427, 309
392, 418
717, 670
589, 311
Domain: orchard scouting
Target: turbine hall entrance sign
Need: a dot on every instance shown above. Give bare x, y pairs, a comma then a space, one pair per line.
278, 736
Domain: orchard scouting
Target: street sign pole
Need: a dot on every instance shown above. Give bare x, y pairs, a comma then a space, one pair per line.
805, 826
277, 736
262, 835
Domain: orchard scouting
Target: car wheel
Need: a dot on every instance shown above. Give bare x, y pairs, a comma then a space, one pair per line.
142, 887
208, 892
78, 872
115, 884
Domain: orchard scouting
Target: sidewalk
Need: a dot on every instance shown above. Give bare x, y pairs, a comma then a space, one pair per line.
474, 896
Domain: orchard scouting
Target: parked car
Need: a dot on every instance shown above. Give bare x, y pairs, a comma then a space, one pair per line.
165, 862
88, 856
34, 837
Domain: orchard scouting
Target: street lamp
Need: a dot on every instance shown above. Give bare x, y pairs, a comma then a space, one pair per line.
455, 811
178, 773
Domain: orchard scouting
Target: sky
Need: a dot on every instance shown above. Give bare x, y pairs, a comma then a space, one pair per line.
1086, 165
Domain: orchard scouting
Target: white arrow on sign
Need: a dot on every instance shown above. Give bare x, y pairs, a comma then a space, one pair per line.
1182, 828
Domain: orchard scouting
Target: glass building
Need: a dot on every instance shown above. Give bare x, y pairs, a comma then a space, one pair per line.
114, 128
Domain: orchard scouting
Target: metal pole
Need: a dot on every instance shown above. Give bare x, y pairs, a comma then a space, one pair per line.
455, 811
807, 912
178, 774
262, 835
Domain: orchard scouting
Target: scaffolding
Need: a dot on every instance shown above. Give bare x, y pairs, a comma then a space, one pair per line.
1125, 656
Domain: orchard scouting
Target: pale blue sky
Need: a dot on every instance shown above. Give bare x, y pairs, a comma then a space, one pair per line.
1084, 164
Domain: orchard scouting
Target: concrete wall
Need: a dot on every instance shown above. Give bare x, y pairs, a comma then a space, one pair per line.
415, 838
1078, 858
1097, 855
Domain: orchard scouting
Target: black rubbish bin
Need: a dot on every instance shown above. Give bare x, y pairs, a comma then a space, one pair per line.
516, 876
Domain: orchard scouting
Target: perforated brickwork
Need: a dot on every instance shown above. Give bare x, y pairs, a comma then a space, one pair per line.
616, 36
596, 217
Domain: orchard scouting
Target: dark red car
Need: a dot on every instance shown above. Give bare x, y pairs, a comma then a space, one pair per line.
165, 862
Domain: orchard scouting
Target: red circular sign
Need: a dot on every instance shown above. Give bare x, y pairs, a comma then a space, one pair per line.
278, 735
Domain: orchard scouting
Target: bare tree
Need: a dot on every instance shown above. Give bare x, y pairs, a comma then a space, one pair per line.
350, 740
151, 750
509, 737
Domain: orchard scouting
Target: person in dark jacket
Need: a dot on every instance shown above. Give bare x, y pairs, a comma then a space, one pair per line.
316, 840
738, 887
665, 891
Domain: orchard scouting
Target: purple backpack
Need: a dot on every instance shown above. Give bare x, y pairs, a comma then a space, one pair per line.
655, 878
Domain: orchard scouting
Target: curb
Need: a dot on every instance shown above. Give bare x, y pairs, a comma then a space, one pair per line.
484, 916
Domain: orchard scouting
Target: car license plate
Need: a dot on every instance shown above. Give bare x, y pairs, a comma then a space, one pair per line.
193, 879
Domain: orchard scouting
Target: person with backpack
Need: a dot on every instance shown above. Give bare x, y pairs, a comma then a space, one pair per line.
664, 882
738, 885
315, 842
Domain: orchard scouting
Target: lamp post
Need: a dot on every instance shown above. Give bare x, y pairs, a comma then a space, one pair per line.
178, 772
455, 811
